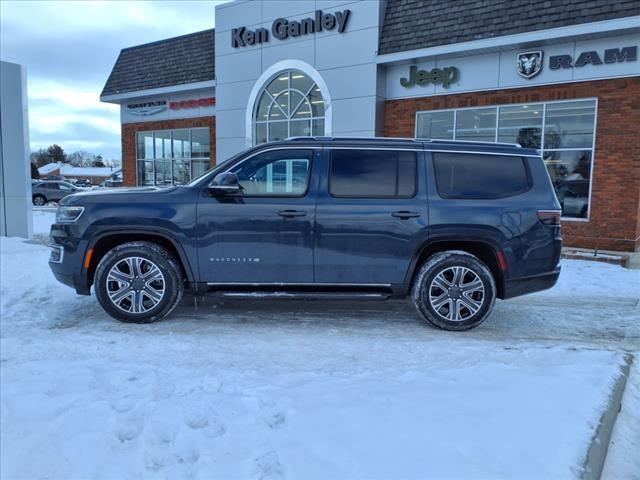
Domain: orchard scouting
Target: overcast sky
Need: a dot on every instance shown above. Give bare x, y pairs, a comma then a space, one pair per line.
69, 48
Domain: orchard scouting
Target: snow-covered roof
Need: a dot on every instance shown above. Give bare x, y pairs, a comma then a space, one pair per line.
71, 171
48, 168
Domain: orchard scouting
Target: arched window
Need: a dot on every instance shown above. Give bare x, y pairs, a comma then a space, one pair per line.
290, 105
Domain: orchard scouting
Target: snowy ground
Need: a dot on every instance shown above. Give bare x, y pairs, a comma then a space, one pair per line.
290, 389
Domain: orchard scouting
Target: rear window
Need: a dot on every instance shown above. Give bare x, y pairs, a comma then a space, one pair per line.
462, 175
372, 174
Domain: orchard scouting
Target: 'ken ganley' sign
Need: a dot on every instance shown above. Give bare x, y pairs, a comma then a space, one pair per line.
282, 28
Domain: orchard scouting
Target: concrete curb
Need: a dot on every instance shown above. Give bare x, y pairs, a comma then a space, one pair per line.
597, 453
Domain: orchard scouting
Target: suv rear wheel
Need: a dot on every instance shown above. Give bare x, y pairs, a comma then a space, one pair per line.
138, 282
39, 200
454, 291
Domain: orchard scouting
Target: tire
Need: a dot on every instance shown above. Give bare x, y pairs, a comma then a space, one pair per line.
39, 200
122, 290
436, 290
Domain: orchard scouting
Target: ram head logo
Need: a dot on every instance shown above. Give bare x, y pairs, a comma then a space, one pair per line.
529, 63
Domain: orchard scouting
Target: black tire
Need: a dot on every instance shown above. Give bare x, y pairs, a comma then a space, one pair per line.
466, 293
39, 200
135, 304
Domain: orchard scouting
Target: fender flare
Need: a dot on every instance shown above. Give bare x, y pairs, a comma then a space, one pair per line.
184, 260
485, 241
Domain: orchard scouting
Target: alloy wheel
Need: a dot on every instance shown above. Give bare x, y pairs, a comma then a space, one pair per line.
456, 293
135, 285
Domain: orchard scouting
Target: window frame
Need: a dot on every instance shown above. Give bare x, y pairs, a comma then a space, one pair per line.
541, 150
370, 197
523, 159
289, 117
312, 152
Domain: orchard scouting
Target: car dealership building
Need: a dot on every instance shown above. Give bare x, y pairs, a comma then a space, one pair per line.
559, 76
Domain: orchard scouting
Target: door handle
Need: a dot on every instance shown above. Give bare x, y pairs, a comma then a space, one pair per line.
405, 214
292, 213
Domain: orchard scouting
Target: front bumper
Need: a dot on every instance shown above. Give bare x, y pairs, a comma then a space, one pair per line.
67, 255
521, 286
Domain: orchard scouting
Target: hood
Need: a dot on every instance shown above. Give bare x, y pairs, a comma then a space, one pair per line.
115, 194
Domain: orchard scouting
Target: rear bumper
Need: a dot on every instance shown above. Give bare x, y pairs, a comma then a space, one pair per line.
534, 283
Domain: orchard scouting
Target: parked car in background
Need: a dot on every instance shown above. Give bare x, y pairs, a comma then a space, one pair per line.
451, 225
43, 192
111, 183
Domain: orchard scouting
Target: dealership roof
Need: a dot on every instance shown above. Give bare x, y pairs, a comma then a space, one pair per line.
174, 61
413, 24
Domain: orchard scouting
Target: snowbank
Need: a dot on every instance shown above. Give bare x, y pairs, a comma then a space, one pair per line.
274, 390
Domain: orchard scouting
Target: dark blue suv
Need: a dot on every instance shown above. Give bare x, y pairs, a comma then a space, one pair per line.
451, 224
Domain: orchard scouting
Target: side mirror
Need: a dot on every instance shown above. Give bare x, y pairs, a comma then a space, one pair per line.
225, 183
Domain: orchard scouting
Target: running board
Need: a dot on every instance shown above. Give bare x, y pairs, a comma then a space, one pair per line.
303, 295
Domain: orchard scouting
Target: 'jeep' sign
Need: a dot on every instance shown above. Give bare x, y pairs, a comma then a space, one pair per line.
437, 76
283, 28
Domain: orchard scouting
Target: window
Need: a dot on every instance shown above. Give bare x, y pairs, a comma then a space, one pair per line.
460, 175
562, 131
172, 157
290, 105
372, 174
277, 173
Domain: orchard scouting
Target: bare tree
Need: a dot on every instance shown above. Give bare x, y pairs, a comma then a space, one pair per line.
81, 158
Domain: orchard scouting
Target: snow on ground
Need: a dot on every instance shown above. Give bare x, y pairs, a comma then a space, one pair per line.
623, 461
291, 389
43, 217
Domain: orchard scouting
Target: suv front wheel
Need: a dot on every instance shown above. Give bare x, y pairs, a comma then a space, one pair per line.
454, 291
138, 282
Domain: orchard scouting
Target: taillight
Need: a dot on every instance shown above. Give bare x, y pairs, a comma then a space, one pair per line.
550, 217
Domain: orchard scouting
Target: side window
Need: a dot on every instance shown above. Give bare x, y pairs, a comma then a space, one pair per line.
276, 173
372, 174
65, 187
466, 175
51, 186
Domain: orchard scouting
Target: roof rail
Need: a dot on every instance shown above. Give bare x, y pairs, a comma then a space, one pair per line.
323, 138
421, 140
469, 142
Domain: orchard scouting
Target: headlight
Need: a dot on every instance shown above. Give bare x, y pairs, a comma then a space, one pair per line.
68, 214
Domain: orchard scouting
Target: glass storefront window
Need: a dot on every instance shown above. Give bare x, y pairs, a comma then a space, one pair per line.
289, 105
521, 124
200, 142
172, 157
562, 131
436, 125
477, 124
569, 124
570, 172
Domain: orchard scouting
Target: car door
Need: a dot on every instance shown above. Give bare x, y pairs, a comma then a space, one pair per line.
371, 215
264, 234
64, 190
52, 191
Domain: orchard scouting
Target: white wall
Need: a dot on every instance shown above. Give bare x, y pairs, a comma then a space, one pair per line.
345, 61
15, 170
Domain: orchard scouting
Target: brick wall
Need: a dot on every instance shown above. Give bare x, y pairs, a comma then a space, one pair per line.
615, 198
129, 140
